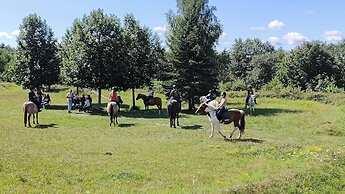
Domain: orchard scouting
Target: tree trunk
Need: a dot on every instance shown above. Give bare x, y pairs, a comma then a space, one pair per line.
99, 96
78, 90
133, 98
191, 106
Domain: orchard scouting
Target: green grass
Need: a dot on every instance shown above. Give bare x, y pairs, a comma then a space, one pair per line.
288, 147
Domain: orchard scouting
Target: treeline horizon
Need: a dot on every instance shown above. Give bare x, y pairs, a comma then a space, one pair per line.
99, 51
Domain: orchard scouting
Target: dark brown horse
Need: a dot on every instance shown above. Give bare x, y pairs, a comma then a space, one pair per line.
156, 101
30, 108
173, 108
236, 116
113, 110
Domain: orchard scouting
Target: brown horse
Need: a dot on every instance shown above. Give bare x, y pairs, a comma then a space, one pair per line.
113, 110
156, 101
30, 108
236, 116
173, 108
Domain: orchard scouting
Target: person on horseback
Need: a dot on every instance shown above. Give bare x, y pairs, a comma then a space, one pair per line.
33, 98
250, 92
210, 96
150, 95
113, 97
221, 109
174, 94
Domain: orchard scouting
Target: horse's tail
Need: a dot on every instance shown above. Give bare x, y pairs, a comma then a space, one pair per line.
25, 115
243, 122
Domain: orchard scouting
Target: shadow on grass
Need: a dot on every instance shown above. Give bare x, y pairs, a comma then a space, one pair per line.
252, 140
126, 124
52, 125
191, 127
56, 107
271, 111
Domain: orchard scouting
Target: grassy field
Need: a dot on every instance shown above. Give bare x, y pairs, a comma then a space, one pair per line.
288, 147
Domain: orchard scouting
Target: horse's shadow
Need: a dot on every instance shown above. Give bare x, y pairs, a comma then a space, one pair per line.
126, 124
252, 140
191, 127
56, 107
52, 125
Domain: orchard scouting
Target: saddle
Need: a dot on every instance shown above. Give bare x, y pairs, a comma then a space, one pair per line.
223, 116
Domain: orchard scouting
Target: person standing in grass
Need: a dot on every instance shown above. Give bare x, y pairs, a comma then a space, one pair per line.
70, 97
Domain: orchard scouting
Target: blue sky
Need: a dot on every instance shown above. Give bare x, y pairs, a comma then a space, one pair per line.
284, 23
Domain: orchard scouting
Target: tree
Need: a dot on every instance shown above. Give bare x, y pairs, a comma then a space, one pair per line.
193, 33
37, 59
140, 60
92, 52
307, 64
6, 62
243, 52
264, 68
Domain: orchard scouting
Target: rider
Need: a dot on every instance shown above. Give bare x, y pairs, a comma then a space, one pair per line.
33, 98
113, 97
250, 92
221, 108
174, 94
210, 96
150, 95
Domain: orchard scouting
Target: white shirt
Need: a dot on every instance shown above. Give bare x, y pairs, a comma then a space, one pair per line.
69, 96
150, 92
222, 103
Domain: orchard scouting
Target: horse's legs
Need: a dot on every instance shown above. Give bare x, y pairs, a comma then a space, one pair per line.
174, 121
212, 130
37, 119
29, 119
116, 120
218, 129
235, 127
240, 135
178, 124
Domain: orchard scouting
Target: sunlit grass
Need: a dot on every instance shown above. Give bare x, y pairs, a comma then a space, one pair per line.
289, 146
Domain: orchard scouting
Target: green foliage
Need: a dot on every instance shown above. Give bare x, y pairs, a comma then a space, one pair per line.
6, 63
242, 54
307, 64
37, 61
193, 33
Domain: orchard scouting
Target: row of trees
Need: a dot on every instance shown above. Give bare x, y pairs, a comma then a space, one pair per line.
99, 52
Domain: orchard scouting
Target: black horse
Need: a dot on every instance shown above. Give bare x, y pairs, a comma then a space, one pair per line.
174, 108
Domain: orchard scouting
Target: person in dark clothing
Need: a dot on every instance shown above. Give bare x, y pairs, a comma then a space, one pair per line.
174, 94
210, 96
33, 98
250, 92
82, 100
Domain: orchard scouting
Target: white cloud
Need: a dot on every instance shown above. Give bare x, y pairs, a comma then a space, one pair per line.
308, 12
258, 28
10, 35
276, 25
161, 30
223, 35
333, 36
274, 40
15, 33
5, 35
294, 38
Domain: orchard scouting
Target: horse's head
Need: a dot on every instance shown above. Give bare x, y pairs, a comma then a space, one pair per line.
203, 99
140, 96
201, 109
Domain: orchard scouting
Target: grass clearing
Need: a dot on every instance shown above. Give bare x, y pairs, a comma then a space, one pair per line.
289, 147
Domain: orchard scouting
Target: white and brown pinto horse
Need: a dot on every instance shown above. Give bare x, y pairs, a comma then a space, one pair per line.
236, 116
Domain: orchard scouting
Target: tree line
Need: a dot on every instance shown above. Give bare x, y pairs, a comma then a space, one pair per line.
99, 51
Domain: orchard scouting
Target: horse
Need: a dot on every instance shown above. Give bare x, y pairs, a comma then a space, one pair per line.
113, 109
30, 108
156, 101
173, 108
251, 104
236, 116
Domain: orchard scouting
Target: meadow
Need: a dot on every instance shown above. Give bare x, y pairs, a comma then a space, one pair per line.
289, 146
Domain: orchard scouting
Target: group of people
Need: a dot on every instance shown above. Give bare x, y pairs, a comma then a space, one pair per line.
81, 103
40, 99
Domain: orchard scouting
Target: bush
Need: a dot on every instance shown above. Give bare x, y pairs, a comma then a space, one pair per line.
238, 85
